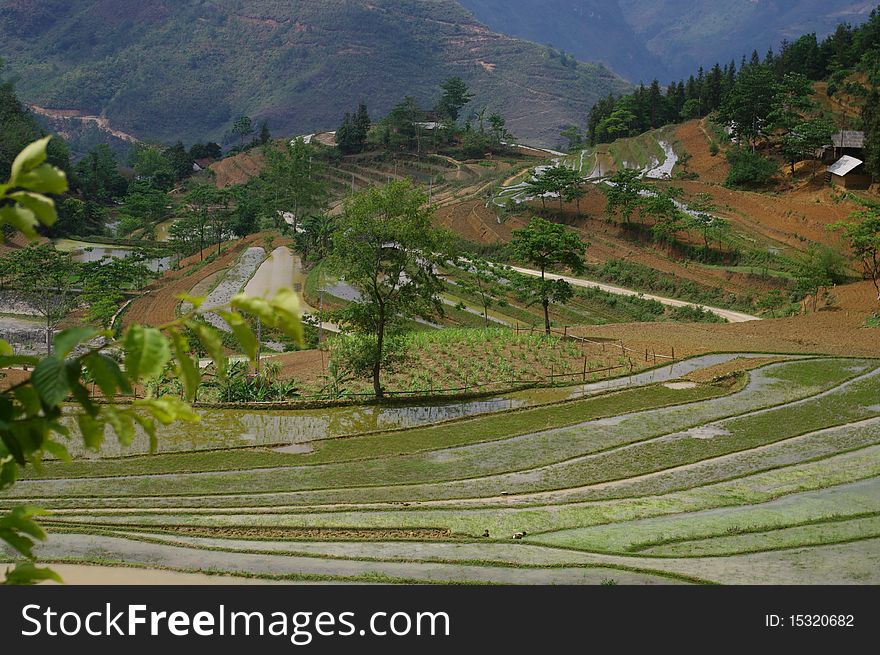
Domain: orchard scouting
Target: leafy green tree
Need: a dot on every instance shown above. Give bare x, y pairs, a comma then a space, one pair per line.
265, 135
544, 244
498, 129
820, 268
292, 183
243, 127
30, 411
624, 193
180, 160
104, 283
315, 240
749, 104
387, 248
455, 96
805, 139
146, 203
346, 141
484, 281
151, 165
79, 217
97, 176
772, 301
621, 123
46, 279
668, 219
712, 228
208, 150
574, 137
562, 181
748, 169
400, 130
863, 236
351, 136
871, 124
205, 206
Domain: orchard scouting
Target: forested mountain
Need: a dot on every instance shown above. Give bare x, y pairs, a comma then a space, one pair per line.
667, 39
168, 70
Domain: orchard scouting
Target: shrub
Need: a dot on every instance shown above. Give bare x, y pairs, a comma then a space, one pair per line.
714, 149
749, 169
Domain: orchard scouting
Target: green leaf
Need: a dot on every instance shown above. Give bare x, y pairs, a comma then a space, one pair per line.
28, 574
17, 360
149, 426
21, 218
50, 381
69, 339
169, 409
256, 306
195, 301
243, 333
146, 352
45, 179
19, 530
122, 424
5, 349
28, 159
107, 375
212, 344
58, 450
42, 207
80, 393
29, 399
286, 305
189, 370
92, 430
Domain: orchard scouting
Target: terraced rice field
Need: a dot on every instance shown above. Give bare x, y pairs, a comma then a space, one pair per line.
768, 475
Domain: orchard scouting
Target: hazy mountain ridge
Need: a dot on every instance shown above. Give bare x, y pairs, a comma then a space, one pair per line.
170, 70
665, 38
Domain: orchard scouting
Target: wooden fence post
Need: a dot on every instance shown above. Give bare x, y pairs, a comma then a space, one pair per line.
585, 368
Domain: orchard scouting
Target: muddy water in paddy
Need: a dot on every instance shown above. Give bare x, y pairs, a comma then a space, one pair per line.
282, 270
86, 252
229, 428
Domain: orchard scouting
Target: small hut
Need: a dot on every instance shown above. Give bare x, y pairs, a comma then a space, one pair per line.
849, 173
845, 142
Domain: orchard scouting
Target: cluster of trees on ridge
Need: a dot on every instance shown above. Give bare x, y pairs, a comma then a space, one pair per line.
410, 128
762, 98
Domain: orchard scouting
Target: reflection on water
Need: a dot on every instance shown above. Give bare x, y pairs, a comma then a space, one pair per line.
90, 254
225, 428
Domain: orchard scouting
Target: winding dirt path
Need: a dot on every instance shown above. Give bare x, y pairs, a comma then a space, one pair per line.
728, 314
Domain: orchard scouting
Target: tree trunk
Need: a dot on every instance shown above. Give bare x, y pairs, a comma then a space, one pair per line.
377, 365
546, 304
545, 301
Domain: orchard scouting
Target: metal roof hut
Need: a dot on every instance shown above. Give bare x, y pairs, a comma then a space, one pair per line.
845, 142
849, 173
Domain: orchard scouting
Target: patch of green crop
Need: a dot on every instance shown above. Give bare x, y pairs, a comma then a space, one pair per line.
751, 540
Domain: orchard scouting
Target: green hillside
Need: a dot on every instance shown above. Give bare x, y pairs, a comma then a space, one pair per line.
168, 70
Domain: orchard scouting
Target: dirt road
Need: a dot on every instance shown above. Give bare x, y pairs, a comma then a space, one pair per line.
728, 314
